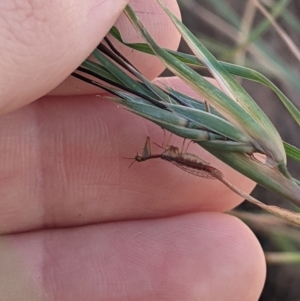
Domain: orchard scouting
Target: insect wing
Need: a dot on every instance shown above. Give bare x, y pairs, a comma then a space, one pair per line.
196, 172
147, 149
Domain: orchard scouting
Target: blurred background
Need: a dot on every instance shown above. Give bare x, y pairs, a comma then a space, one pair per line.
239, 32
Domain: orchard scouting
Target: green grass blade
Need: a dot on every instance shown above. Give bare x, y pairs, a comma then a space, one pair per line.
258, 125
240, 71
218, 98
211, 122
292, 152
193, 122
100, 70
183, 127
236, 70
262, 174
121, 75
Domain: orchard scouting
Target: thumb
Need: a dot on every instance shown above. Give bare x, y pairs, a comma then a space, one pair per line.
44, 41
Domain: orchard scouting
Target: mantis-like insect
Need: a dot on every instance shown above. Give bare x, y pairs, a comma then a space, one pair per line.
198, 167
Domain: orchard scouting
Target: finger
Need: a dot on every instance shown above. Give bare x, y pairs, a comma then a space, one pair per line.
159, 26
40, 51
204, 256
45, 41
62, 164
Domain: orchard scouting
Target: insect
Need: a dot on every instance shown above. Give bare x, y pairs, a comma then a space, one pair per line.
185, 161
196, 166
193, 165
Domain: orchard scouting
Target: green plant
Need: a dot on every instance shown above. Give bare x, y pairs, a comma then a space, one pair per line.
230, 125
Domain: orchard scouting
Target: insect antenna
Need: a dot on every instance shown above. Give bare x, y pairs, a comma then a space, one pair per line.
146, 154
134, 159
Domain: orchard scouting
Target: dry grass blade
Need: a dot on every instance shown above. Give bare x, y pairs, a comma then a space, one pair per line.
288, 215
289, 42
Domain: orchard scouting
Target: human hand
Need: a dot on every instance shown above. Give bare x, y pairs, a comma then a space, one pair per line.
76, 223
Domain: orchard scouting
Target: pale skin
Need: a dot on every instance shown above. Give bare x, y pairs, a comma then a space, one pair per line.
75, 222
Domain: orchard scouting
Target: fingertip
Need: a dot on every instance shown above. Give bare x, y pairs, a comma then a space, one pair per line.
160, 28
206, 256
43, 49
